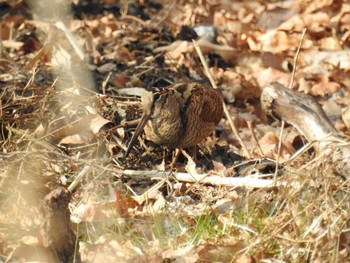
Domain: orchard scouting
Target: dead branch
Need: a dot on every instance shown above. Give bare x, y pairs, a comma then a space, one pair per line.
306, 115
216, 180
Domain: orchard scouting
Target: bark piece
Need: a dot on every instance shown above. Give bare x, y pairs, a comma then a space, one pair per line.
298, 109
306, 115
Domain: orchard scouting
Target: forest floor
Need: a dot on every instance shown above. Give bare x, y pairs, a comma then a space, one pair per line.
70, 82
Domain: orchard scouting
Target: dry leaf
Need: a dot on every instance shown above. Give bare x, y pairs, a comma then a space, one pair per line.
108, 67
273, 18
122, 54
324, 88
346, 116
123, 204
269, 144
272, 75
276, 41
82, 131
175, 49
245, 259
179, 47
96, 212
339, 59
186, 254
332, 108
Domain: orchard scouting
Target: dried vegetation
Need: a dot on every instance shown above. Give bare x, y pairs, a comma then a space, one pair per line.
69, 101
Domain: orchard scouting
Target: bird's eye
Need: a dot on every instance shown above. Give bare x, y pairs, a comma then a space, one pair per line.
157, 97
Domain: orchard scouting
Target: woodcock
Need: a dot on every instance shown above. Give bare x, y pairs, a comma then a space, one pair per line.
179, 116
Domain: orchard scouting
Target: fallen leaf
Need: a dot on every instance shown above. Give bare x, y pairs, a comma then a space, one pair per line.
123, 204
346, 116
272, 75
179, 47
81, 131
273, 18
187, 254
108, 67
275, 41
96, 212
332, 108
324, 88
339, 59
245, 259
269, 144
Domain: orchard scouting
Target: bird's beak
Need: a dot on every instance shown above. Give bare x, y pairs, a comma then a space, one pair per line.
139, 129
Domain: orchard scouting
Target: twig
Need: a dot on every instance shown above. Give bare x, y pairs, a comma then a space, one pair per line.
78, 179
227, 114
279, 149
302, 150
105, 82
145, 196
209, 179
191, 165
205, 66
255, 139
290, 87
296, 58
134, 18
71, 39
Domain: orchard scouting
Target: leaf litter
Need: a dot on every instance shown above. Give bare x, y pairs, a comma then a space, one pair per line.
64, 107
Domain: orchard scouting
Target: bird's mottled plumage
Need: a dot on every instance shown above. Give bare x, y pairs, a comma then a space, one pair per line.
179, 116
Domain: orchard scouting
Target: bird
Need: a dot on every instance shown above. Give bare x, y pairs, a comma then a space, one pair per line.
178, 116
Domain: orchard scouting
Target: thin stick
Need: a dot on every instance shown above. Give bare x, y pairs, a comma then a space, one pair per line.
258, 146
279, 150
72, 40
296, 58
78, 179
105, 82
290, 87
215, 180
227, 114
302, 150
205, 65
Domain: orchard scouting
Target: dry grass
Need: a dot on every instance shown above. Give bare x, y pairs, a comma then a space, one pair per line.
303, 220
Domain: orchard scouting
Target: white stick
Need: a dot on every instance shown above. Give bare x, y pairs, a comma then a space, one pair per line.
209, 179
